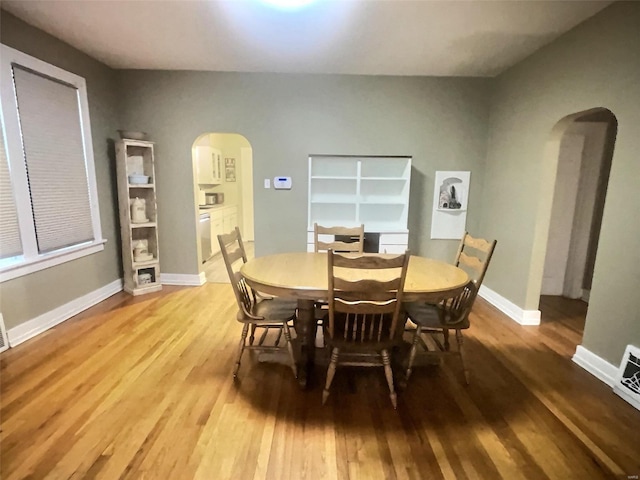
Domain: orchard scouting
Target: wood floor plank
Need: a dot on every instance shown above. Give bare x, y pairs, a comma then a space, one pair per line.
141, 387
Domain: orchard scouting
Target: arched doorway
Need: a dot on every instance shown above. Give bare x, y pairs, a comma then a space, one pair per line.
223, 179
584, 148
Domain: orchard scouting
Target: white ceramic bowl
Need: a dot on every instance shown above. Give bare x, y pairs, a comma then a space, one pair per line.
132, 135
138, 179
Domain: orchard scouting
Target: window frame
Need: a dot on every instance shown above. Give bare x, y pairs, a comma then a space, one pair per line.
31, 260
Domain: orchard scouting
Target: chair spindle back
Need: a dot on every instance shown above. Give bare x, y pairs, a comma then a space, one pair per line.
365, 296
473, 256
233, 251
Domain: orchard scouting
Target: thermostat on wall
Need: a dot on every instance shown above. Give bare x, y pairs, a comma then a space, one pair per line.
282, 183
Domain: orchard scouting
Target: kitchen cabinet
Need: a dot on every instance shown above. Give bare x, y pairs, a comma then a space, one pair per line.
208, 165
223, 220
138, 216
349, 191
230, 219
216, 229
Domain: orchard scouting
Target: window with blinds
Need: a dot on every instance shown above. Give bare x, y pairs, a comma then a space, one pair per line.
10, 243
48, 196
54, 155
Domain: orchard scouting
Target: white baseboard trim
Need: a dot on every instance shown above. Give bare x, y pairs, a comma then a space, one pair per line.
183, 279
596, 366
523, 317
585, 295
41, 323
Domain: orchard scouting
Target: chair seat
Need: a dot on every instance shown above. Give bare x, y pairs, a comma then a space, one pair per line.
427, 315
274, 310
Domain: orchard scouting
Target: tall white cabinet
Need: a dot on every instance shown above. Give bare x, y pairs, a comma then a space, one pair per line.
349, 191
208, 165
138, 216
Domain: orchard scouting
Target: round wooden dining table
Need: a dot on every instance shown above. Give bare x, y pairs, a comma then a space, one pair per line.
304, 275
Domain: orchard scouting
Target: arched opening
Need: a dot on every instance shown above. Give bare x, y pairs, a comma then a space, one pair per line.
223, 179
584, 144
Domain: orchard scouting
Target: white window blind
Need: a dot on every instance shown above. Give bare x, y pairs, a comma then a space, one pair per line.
48, 191
10, 244
50, 123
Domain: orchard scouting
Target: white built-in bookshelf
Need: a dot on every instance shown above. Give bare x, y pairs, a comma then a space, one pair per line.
353, 190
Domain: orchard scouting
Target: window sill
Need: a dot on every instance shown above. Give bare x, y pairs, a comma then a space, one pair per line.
50, 260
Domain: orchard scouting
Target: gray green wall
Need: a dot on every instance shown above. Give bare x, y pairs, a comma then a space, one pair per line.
440, 122
596, 64
32, 295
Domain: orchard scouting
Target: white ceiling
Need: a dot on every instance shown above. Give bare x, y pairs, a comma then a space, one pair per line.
371, 37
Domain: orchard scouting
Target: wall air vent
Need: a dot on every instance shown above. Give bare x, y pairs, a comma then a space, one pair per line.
628, 381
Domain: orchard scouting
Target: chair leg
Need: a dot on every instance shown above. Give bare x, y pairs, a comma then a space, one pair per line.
445, 334
414, 348
287, 336
243, 339
331, 371
386, 361
253, 332
319, 339
277, 340
461, 352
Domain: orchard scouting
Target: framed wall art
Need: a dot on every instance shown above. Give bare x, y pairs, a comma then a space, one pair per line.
450, 202
230, 169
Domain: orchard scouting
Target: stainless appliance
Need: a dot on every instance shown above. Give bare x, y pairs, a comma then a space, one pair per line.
211, 198
219, 197
205, 236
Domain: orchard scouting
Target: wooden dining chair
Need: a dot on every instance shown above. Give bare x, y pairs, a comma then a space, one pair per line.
473, 256
340, 246
365, 311
337, 245
255, 311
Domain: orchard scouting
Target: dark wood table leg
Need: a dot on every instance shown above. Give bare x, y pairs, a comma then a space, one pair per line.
306, 333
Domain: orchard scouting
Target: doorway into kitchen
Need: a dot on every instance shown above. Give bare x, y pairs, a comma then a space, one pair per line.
585, 150
223, 176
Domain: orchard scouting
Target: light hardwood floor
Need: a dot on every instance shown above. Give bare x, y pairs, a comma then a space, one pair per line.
142, 388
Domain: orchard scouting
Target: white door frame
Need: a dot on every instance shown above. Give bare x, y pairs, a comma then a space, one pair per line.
246, 186
562, 214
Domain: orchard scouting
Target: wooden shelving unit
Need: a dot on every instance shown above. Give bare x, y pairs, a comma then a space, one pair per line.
140, 252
